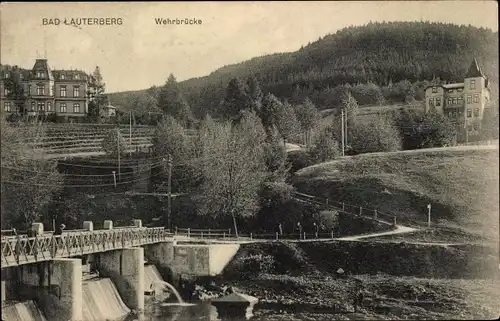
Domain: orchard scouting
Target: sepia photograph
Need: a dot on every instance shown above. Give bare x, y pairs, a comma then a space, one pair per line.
249, 160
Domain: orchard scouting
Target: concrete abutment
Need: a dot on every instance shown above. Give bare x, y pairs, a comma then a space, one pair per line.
126, 269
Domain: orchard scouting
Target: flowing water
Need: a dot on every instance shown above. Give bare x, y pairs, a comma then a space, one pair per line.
22, 311
101, 301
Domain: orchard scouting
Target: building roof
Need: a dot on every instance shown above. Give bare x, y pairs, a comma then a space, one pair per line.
42, 65
474, 70
451, 86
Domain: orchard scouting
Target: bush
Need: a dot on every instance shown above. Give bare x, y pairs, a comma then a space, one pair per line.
252, 265
299, 160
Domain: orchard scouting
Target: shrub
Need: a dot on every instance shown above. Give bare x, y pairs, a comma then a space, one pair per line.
252, 265
299, 160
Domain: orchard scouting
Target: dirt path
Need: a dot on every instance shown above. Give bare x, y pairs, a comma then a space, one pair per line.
400, 229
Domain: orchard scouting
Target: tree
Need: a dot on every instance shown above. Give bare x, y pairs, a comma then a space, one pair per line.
350, 106
114, 143
98, 91
275, 156
254, 93
172, 102
29, 181
377, 134
307, 116
325, 147
286, 122
489, 126
15, 91
236, 101
233, 168
436, 130
143, 105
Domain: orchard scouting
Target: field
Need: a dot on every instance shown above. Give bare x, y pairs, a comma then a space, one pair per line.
460, 183
328, 115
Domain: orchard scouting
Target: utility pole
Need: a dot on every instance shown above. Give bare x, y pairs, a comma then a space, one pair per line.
130, 133
429, 215
345, 128
343, 146
169, 187
466, 131
118, 144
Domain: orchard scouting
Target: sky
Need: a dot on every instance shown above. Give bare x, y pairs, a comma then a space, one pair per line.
139, 53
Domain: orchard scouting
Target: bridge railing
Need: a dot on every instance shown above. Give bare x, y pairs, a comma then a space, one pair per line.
22, 250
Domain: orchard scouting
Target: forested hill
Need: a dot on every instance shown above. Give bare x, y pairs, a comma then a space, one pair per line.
379, 53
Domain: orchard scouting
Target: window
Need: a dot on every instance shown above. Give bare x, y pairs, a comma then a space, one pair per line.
33, 106
76, 91
460, 90
77, 76
450, 101
76, 108
469, 112
63, 108
476, 112
476, 127
455, 100
40, 90
472, 84
63, 91
431, 101
40, 74
438, 101
469, 99
5, 92
7, 106
460, 100
7, 75
41, 106
63, 76
476, 98
469, 128
49, 106
434, 89
450, 90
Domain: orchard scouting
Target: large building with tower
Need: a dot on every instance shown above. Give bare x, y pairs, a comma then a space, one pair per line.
463, 103
60, 92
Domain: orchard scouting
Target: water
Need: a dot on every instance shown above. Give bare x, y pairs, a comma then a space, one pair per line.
162, 311
22, 311
161, 286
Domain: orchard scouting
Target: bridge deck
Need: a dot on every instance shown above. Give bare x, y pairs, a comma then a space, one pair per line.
24, 250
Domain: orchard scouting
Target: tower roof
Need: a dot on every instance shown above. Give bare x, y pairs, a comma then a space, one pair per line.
42, 65
474, 70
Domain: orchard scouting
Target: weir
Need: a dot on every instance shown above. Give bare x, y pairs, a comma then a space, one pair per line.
55, 285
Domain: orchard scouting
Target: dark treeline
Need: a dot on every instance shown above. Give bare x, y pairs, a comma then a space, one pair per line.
391, 61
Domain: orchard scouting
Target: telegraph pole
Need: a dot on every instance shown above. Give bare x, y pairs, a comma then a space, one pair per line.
343, 146
169, 187
345, 128
466, 131
118, 144
130, 133
429, 215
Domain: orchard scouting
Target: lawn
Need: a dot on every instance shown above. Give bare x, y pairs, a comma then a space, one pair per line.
461, 184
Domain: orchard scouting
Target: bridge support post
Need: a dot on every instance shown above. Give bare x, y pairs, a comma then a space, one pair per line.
67, 273
126, 268
162, 256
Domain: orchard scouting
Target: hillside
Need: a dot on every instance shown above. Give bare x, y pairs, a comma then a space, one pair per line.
460, 183
380, 53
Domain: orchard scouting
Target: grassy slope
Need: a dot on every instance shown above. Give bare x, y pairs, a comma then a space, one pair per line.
461, 185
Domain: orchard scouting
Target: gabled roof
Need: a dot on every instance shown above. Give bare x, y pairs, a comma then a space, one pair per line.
474, 70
